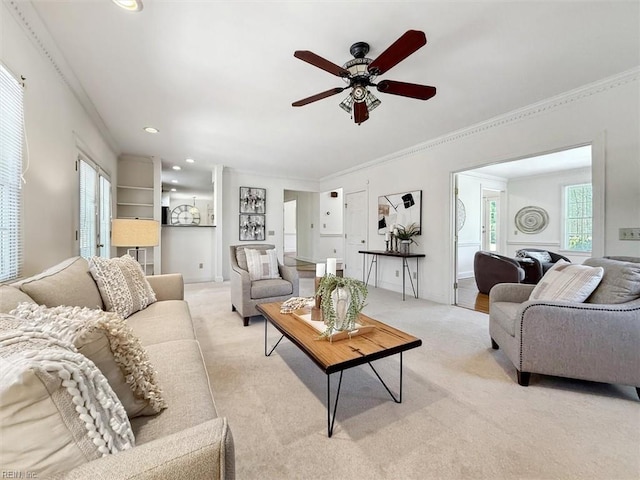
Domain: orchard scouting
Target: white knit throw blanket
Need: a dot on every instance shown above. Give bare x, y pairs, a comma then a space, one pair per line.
96, 404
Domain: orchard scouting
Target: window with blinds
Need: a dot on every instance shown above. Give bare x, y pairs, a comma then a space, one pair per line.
11, 139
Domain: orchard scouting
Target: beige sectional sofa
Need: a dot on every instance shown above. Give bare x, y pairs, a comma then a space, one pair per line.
187, 439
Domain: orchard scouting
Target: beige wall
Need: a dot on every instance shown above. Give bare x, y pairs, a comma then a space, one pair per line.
606, 115
57, 127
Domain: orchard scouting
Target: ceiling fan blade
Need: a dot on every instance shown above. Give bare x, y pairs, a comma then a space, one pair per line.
317, 96
407, 44
318, 61
421, 92
360, 112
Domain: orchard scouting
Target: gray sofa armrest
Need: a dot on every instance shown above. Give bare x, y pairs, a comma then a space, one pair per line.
580, 340
205, 451
169, 286
290, 274
510, 292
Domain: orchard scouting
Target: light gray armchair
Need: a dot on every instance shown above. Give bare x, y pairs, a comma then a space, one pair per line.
598, 340
246, 294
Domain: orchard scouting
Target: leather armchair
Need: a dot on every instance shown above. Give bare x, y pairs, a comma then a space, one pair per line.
246, 294
541, 267
490, 269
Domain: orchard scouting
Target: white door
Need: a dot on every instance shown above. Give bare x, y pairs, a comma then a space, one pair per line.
355, 232
491, 221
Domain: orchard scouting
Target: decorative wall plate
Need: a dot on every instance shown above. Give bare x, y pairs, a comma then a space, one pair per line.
531, 219
461, 214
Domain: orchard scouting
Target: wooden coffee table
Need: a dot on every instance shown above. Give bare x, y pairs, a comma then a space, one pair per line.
338, 356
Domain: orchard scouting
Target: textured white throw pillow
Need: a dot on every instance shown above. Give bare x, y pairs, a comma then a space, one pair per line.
262, 265
542, 257
108, 341
567, 282
122, 284
58, 410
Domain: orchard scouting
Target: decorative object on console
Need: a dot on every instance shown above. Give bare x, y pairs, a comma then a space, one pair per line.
251, 227
405, 235
531, 219
399, 209
129, 232
360, 73
342, 300
186, 214
253, 200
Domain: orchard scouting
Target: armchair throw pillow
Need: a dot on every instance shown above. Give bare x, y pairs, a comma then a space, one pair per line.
567, 282
262, 265
55, 402
106, 339
122, 284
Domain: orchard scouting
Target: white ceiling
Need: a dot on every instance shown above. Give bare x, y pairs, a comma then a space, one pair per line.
217, 78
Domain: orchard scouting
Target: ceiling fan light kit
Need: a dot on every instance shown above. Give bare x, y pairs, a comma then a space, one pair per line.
361, 72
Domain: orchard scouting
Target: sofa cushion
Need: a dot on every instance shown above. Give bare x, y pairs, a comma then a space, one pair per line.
241, 256
10, 297
262, 265
566, 282
172, 316
542, 257
58, 411
68, 283
620, 283
182, 372
122, 284
106, 340
270, 288
504, 313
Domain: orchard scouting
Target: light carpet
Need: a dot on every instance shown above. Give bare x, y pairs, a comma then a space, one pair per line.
463, 415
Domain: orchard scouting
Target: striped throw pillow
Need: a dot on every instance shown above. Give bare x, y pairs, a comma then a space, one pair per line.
262, 265
567, 282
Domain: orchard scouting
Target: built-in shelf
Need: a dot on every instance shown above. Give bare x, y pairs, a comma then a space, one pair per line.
135, 188
136, 204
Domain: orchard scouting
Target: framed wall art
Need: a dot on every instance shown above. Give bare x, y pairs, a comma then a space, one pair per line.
251, 227
399, 209
253, 200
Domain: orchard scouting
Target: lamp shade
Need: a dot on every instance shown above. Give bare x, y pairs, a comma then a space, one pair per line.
126, 232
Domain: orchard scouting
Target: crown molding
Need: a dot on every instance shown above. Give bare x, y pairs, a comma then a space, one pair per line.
28, 18
535, 109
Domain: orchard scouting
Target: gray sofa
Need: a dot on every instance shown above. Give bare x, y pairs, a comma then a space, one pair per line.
186, 440
246, 294
598, 340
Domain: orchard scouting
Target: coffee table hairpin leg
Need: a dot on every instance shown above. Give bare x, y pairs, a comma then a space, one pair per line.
331, 417
265, 340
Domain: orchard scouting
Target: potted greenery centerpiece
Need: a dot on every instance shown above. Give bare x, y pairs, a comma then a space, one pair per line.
406, 234
342, 300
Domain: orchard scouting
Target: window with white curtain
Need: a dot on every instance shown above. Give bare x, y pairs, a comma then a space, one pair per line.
95, 210
11, 140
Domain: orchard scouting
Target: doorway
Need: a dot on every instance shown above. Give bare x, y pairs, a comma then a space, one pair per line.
290, 225
492, 197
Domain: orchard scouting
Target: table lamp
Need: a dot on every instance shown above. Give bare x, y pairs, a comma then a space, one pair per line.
137, 234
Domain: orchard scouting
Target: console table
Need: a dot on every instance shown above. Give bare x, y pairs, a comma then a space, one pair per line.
405, 266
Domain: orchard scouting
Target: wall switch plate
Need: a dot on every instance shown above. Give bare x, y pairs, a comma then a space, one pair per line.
271, 233
629, 234
397, 273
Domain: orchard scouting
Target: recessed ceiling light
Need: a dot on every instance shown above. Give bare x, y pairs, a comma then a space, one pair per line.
173, 190
177, 167
174, 181
190, 160
151, 130
130, 5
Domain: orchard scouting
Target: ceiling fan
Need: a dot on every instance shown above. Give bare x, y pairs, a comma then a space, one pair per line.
360, 73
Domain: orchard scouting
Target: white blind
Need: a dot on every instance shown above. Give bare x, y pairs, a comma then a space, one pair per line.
88, 210
11, 138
